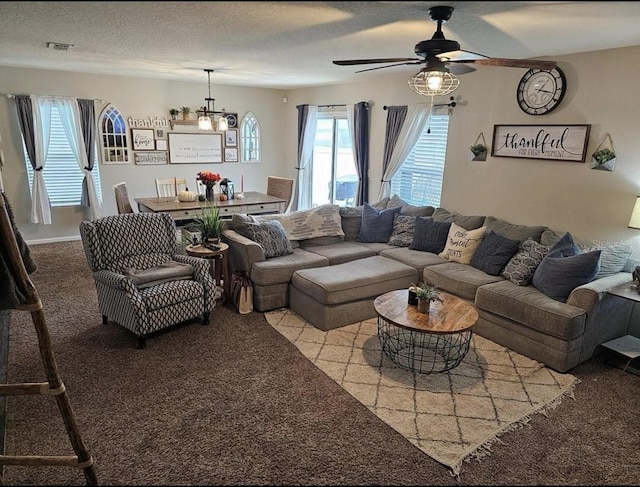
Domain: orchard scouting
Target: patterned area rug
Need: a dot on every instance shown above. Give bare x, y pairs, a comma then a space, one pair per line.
452, 416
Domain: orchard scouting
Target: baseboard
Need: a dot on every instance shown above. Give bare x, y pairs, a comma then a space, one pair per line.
52, 240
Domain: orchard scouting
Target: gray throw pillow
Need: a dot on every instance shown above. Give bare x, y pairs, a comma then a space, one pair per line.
493, 253
376, 225
613, 258
351, 218
564, 269
467, 222
519, 270
417, 210
513, 231
271, 236
403, 229
430, 235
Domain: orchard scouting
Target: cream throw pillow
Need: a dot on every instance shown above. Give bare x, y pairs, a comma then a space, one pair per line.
461, 243
321, 221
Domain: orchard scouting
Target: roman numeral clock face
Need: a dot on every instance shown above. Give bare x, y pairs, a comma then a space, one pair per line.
540, 91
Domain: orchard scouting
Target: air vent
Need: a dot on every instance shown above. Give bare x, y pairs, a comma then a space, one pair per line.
59, 46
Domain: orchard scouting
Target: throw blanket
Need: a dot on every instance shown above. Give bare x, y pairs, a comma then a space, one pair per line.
10, 294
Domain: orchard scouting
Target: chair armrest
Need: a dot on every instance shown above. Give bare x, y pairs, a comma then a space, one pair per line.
243, 251
588, 295
115, 280
202, 274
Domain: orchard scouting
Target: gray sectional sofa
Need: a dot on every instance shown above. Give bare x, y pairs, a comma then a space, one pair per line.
331, 278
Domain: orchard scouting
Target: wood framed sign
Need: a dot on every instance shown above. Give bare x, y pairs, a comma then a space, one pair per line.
552, 142
194, 148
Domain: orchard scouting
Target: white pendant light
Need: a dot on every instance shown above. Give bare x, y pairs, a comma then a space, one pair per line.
206, 115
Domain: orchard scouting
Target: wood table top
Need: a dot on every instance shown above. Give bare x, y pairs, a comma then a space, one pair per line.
453, 315
159, 204
203, 252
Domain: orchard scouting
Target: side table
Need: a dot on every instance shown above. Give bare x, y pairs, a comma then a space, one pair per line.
219, 272
627, 345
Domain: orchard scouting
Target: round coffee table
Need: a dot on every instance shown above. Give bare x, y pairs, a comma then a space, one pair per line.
219, 272
424, 342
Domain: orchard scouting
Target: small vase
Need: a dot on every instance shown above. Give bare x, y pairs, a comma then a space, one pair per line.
424, 305
209, 193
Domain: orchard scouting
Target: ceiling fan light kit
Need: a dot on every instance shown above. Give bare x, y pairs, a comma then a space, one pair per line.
437, 53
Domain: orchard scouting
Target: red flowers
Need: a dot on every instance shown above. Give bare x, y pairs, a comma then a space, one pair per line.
209, 178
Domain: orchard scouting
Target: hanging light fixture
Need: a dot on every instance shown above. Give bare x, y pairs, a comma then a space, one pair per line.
206, 114
434, 79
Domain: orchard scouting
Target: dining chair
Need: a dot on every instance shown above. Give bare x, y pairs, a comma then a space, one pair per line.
122, 198
170, 186
280, 188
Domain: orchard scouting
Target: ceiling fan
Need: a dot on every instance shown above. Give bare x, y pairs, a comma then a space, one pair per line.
443, 59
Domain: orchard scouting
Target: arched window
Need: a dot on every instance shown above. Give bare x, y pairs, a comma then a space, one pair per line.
250, 138
113, 132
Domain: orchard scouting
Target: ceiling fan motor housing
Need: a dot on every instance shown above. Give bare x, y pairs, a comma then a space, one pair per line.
434, 47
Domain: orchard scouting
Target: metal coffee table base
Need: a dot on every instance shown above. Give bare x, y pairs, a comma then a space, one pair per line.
423, 352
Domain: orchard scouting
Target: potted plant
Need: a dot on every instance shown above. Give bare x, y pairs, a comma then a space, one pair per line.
603, 159
185, 112
479, 152
425, 294
174, 113
209, 224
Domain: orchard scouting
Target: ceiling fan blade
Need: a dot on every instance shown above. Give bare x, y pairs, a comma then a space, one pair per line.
461, 55
459, 69
389, 66
352, 62
512, 63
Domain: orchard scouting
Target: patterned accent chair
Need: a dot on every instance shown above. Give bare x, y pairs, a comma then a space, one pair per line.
142, 283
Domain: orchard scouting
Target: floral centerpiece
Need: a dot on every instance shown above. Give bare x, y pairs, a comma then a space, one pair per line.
209, 179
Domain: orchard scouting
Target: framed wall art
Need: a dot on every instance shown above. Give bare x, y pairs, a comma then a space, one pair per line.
150, 158
194, 148
143, 139
231, 138
161, 144
552, 142
230, 154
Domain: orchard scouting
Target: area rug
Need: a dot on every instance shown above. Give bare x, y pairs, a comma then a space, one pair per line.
452, 416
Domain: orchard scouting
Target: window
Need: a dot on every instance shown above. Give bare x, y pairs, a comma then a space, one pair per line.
113, 131
333, 172
61, 172
419, 179
250, 138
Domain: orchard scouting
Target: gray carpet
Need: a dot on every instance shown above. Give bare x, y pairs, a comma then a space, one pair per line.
234, 403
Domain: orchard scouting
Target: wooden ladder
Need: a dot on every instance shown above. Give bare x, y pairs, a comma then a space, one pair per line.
54, 386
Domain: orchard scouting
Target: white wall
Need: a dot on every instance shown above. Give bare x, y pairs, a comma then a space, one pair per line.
138, 98
593, 205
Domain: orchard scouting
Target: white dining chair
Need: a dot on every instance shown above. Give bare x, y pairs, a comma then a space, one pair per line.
170, 186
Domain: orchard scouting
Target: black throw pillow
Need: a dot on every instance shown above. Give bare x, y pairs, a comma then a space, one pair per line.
493, 253
430, 235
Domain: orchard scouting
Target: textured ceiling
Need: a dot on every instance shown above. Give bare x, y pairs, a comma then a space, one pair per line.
291, 44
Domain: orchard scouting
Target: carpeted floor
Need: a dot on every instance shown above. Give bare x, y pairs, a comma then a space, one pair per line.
235, 403
452, 416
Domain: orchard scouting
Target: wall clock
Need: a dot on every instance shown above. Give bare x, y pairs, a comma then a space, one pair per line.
232, 120
541, 91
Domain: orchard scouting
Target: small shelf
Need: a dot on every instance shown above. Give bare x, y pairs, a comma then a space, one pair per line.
182, 122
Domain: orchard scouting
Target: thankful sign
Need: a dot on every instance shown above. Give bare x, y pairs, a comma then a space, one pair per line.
556, 142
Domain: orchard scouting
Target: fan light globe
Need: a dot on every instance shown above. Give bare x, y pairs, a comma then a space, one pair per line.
433, 83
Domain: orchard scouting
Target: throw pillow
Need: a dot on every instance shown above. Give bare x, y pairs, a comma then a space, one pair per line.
519, 270
565, 268
430, 235
613, 258
513, 231
351, 217
493, 253
417, 210
461, 244
464, 221
403, 230
271, 236
321, 221
376, 225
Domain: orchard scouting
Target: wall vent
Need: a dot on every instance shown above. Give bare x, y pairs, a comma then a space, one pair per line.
60, 46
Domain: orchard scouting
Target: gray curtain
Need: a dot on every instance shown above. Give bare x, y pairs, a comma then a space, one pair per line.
88, 125
307, 117
395, 119
361, 150
25, 117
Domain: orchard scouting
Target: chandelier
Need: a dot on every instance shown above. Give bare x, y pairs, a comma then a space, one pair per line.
206, 114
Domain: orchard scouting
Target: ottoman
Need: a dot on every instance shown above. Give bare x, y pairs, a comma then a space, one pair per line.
339, 295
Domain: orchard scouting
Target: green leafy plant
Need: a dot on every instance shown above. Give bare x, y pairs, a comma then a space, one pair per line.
208, 223
603, 155
173, 112
424, 291
185, 110
478, 149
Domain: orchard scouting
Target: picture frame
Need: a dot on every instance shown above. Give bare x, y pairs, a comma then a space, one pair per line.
231, 138
230, 154
149, 158
161, 144
558, 142
159, 133
194, 148
143, 139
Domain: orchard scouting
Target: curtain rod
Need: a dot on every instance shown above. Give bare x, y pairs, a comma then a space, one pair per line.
368, 104
451, 104
9, 95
